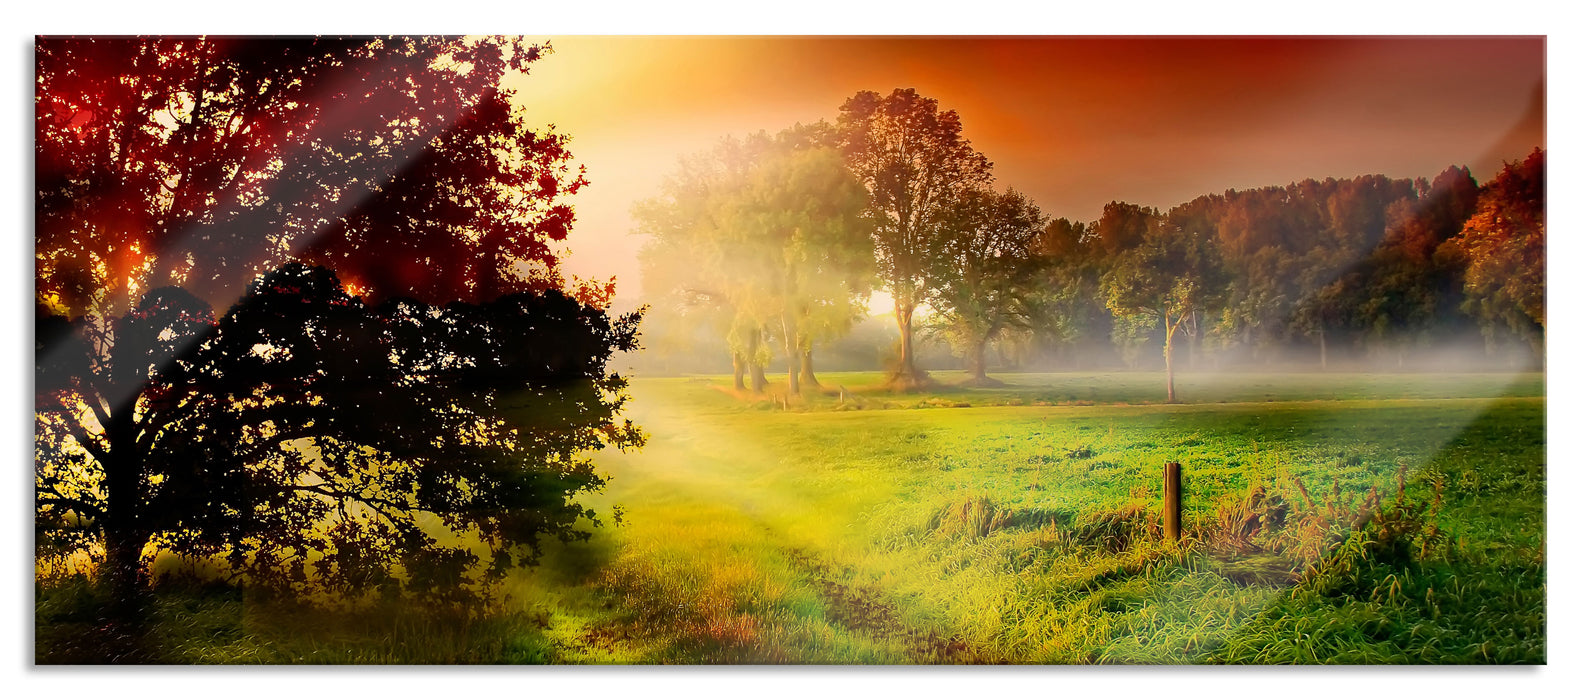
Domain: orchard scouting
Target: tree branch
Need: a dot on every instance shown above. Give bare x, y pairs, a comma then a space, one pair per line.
53, 495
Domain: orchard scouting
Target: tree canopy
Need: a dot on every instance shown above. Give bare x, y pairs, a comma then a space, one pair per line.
985, 271
1169, 274
768, 231
201, 161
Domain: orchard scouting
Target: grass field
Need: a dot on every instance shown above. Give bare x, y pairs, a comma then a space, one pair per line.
1017, 524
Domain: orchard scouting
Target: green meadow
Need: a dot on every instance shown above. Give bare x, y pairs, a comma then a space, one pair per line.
1328, 518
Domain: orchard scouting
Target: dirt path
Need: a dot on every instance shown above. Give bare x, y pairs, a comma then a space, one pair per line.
866, 609
708, 574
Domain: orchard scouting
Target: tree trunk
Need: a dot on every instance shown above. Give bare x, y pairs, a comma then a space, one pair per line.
903, 319
907, 376
124, 533
738, 370
977, 363
121, 636
808, 379
1170, 373
1323, 349
123, 571
756, 372
754, 369
793, 358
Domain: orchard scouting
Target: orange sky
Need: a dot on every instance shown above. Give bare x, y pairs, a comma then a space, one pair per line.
1073, 122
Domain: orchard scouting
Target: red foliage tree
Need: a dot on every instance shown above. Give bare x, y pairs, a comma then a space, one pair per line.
203, 162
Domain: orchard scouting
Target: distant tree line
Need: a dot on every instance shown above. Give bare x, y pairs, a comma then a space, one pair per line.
1368, 267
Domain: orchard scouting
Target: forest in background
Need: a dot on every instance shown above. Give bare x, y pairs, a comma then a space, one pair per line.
1362, 272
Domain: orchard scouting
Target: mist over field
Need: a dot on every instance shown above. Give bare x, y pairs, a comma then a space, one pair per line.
680, 349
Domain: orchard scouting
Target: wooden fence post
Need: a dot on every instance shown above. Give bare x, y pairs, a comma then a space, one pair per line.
1172, 516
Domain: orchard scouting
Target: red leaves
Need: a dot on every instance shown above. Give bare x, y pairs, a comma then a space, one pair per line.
237, 153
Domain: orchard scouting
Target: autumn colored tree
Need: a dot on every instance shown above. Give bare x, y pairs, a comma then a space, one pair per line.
1503, 245
312, 442
984, 272
174, 178
1170, 274
204, 161
1286, 248
913, 161
1122, 226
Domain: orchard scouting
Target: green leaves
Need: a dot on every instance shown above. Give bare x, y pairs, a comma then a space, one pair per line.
763, 234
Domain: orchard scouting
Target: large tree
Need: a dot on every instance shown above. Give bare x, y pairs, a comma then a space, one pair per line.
985, 272
208, 163
911, 157
801, 212
769, 230
1168, 276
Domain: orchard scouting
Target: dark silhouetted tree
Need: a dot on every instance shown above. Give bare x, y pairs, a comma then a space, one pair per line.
304, 433
312, 442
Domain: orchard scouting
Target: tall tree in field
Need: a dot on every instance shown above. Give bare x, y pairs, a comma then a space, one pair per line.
915, 164
985, 272
684, 271
800, 213
1503, 247
770, 231
1163, 280
690, 262
1121, 227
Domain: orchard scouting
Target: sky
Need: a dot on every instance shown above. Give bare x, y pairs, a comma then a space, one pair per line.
1072, 122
